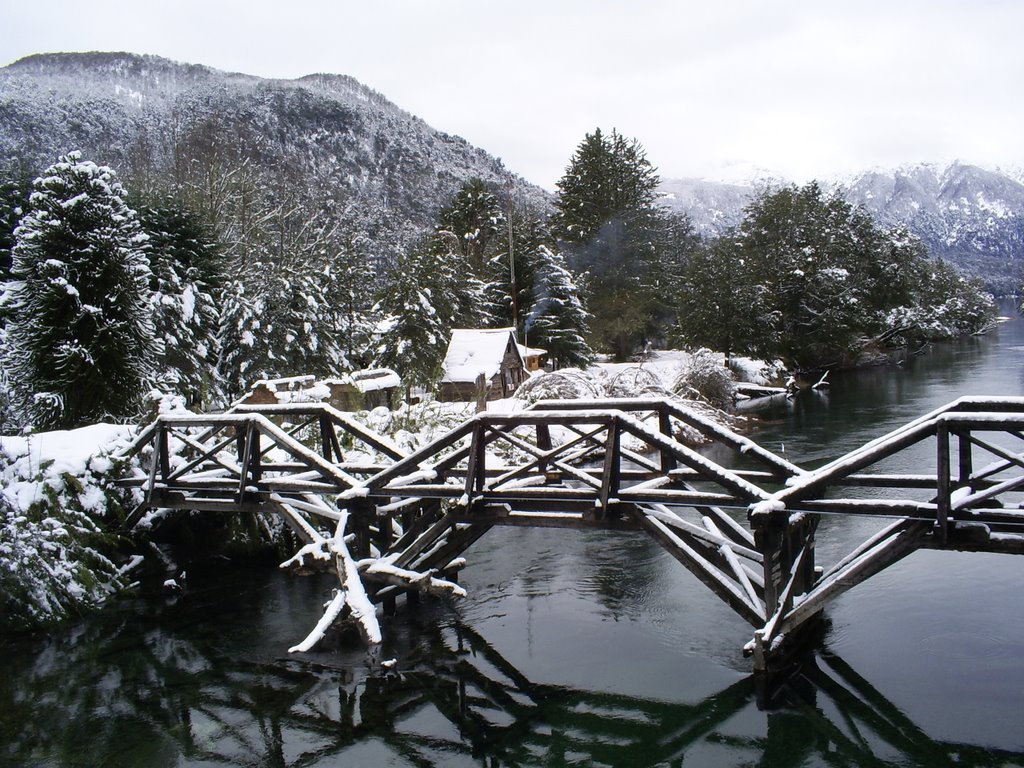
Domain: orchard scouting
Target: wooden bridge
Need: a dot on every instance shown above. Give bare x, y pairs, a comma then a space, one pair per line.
393, 524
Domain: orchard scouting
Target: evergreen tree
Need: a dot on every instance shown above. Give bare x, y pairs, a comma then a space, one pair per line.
608, 224
476, 219
810, 279
674, 241
352, 281
608, 178
297, 298
557, 320
506, 306
458, 294
718, 306
15, 188
80, 340
186, 314
280, 321
417, 318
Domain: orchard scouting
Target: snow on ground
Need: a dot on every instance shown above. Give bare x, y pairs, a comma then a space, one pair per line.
757, 371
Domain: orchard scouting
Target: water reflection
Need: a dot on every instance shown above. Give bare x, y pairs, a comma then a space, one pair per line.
138, 687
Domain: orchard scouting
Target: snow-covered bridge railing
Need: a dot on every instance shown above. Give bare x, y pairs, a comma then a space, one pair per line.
226, 461
745, 528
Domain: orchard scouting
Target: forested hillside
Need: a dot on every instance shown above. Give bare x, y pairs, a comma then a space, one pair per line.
223, 141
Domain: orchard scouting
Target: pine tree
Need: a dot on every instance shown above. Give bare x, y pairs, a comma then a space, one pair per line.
185, 311
417, 319
557, 320
608, 179
296, 300
608, 224
718, 306
280, 322
810, 279
507, 306
80, 341
15, 188
476, 219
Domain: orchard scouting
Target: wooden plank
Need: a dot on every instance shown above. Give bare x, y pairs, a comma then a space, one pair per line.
459, 540
139, 441
1010, 484
408, 552
785, 598
362, 433
412, 462
708, 469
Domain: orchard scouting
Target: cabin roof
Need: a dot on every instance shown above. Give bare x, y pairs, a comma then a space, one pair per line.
526, 351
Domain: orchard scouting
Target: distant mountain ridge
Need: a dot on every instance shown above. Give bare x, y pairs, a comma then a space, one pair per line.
142, 114
968, 215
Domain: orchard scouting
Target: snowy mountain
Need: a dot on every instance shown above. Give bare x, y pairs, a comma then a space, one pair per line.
712, 206
151, 119
968, 215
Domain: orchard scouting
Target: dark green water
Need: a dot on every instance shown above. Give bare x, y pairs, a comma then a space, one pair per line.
571, 649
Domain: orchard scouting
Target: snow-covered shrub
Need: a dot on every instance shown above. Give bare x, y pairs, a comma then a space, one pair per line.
704, 377
563, 384
635, 381
56, 555
413, 426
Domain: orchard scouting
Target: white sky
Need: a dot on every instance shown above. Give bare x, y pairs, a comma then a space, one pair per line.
796, 88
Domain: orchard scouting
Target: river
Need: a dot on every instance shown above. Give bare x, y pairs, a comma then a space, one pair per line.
571, 649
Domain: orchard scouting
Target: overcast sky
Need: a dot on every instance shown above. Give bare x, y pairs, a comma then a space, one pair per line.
798, 89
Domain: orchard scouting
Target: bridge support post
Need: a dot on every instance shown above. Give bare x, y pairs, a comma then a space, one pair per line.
385, 535
787, 546
361, 513
668, 461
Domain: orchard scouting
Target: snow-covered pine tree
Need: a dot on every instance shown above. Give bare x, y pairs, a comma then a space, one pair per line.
415, 331
458, 294
80, 340
557, 321
185, 311
529, 233
281, 324
15, 188
353, 285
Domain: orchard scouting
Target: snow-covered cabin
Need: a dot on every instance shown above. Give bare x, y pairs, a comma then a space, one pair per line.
472, 352
356, 391
274, 391
365, 390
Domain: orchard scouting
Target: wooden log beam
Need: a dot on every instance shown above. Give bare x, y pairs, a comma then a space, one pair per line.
340, 419
901, 541
713, 577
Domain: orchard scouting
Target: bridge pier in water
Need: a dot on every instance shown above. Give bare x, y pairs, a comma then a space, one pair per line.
392, 524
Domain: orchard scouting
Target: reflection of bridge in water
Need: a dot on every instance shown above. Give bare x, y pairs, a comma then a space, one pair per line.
451, 700
746, 530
